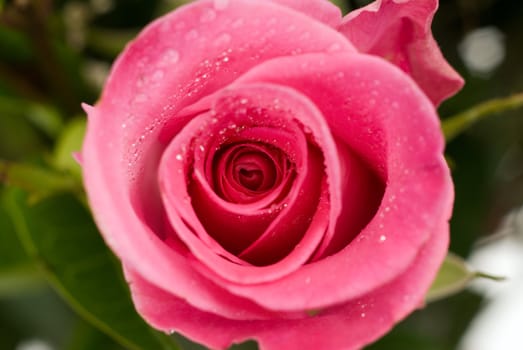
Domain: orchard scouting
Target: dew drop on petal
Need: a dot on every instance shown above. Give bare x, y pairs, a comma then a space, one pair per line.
140, 98
220, 5
334, 47
383, 238
222, 39
170, 56
305, 35
238, 23
207, 16
157, 75
191, 35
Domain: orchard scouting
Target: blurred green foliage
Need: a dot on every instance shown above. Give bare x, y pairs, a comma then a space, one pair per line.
55, 55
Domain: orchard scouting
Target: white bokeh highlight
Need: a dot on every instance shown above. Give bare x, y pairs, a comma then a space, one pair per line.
483, 50
499, 324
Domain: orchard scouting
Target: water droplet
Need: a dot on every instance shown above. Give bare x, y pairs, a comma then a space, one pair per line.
191, 35
383, 238
140, 82
220, 5
170, 56
207, 16
157, 75
140, 98
179, 157
305, 35
238, 23
307, 129
222, 39
202, 148
363, 315
334, 47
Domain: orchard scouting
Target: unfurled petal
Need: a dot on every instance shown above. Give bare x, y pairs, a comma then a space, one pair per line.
399, 31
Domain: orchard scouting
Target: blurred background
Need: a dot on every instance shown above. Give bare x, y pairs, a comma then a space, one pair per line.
56, 54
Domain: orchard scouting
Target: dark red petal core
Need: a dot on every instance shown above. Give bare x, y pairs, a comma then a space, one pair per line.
245, 172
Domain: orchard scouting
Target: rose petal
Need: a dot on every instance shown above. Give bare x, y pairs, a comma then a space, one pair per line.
377, 106
321, 10
400, 31
348, 326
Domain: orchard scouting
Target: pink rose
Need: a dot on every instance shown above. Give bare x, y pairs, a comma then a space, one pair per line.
264, 170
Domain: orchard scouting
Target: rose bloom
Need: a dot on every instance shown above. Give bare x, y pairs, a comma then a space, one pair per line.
271, 170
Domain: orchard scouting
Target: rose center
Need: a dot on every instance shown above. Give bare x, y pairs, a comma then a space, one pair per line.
252, 179
244, 173
254, 171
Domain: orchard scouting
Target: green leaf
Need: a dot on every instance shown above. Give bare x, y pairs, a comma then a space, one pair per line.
40, 182
17, 273
86, 337
455, 125
44, 117
109, 42
70, 141
14, 46
19, 278
59, 234
454, 276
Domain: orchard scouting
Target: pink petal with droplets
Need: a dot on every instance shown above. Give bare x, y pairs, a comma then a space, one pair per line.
349, 326
400, 32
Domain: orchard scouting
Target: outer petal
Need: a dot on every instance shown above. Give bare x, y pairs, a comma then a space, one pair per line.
399, 31
178, 59
383, 116
321, 10
348, 326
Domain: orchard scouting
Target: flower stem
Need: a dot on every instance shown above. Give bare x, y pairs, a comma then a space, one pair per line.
456, 124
